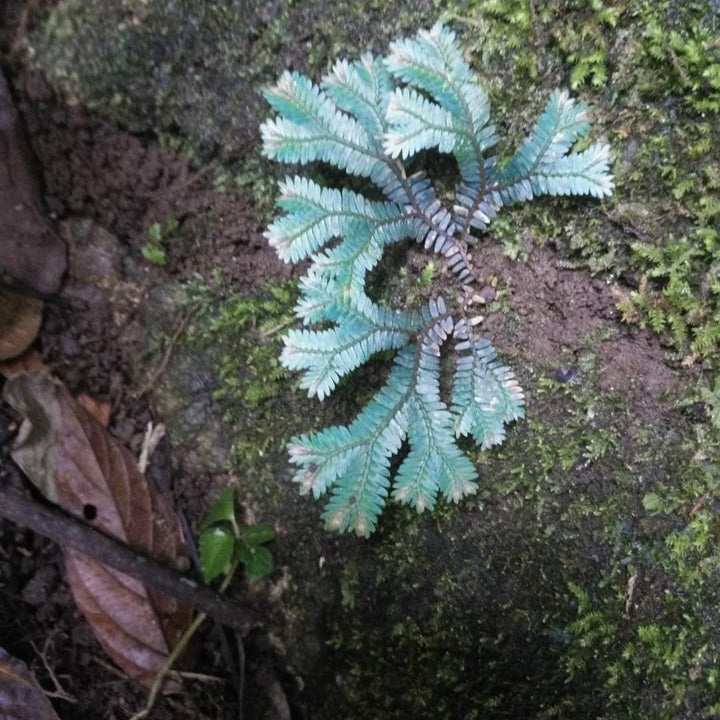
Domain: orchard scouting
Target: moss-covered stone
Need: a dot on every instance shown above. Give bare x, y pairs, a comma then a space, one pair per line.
515, 604
195, 69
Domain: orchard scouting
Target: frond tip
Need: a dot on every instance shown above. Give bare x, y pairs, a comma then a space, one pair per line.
367, 118
486, 394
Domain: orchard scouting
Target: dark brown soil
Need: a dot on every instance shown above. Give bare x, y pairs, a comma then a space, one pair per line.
558, 314
94, 170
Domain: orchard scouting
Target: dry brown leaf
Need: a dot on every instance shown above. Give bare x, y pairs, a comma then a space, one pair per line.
20, 318
31, 360
21, 698
31, 254
97, 410
75, 462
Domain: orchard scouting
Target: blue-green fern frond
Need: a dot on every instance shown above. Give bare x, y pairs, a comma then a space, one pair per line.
435, 462
310, 127
368, 118
485, 394
355, 459
474, 209
314, 215
433, 62
436, 226
363, 89
328, 355
323, 299
583, 173
544, 163
418, 124
349, 261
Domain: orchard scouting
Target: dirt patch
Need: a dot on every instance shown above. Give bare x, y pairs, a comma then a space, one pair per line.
636, 365
94, 170
556, 314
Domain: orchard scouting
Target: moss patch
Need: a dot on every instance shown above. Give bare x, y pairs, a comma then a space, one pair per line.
516, 605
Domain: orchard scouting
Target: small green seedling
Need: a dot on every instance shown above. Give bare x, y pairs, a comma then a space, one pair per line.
224, 544
158, 234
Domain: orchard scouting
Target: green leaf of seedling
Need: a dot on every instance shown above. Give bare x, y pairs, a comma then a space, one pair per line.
258, 560
223, 510
254, 535
427, 274
154, 253
155, 232
216, 549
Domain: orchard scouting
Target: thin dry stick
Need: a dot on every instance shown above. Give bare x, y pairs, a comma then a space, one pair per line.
160, 369
153, 435
241, 676
68, 532
178, 650
200, 677
165, 669
59, 691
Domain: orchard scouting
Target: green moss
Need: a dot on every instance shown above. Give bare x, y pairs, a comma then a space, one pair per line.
515, 606
613, 55
241, 334
648, 635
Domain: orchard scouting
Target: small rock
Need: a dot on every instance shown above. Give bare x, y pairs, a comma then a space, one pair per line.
69, 346
486, 295
37, 591
567, 375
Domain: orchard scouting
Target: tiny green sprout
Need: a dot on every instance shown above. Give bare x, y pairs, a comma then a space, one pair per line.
155, 233
224, 544
154, 253
652, 502
711, 398
159, 233
428, 274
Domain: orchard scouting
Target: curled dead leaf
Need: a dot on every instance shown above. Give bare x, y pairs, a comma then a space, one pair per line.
20, 318
21, 698
74, 461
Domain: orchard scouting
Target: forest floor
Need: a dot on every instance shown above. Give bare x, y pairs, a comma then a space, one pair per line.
582, 581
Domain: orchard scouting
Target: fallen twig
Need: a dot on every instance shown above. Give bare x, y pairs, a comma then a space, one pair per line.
167, 355
153, 435
59, 692
177, 651
68, 532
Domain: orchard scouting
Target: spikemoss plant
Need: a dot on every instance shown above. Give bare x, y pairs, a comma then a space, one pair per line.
369, 119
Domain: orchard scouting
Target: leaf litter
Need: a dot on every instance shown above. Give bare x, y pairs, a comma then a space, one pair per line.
21, 698
71, 458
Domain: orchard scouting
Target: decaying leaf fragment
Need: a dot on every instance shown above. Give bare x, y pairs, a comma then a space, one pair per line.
21, 698
31, 254
73, 460
20, 318
30, 360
